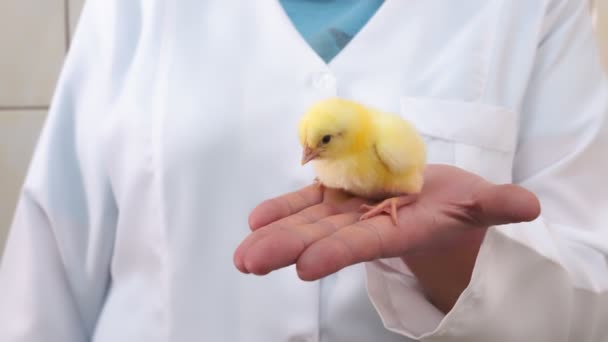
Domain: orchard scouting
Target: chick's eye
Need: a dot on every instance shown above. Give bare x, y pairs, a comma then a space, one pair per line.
326, 139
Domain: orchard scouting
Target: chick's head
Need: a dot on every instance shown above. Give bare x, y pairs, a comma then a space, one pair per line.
332, 129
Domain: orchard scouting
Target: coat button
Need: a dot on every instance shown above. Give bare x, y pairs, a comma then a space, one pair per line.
324, 81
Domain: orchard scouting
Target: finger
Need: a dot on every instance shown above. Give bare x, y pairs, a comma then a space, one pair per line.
504, 204
308, 215
283, 247
363, 241
285, 205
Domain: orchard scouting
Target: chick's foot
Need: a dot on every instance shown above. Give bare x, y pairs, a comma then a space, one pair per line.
388, 206
318, 184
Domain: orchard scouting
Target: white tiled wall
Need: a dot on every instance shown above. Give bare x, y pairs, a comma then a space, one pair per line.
18, 130
33, 40
34, 36
74, 7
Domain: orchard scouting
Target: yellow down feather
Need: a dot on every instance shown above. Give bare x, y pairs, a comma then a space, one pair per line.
362, 150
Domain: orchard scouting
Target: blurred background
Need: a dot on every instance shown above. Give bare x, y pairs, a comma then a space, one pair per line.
35, 36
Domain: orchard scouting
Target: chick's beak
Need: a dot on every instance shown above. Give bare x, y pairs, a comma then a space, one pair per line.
309, 154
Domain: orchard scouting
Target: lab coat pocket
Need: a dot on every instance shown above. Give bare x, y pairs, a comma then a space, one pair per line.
477, 137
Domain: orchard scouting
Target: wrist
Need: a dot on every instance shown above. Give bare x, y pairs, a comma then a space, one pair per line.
444, 269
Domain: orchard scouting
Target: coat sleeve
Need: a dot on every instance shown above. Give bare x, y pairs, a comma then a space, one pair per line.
545, 280
55, 271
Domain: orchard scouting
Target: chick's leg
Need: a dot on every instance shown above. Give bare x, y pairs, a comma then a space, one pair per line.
388, 206
318, 184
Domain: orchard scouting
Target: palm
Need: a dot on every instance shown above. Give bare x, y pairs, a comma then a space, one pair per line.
320, 231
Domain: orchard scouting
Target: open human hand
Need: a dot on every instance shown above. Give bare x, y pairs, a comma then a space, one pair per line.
319, 230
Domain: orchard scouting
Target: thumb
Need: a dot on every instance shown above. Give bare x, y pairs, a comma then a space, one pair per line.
504, 204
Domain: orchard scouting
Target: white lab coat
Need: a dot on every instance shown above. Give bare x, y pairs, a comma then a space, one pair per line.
172, 119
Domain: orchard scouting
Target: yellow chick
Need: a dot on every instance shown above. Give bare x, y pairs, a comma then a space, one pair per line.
365, 152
